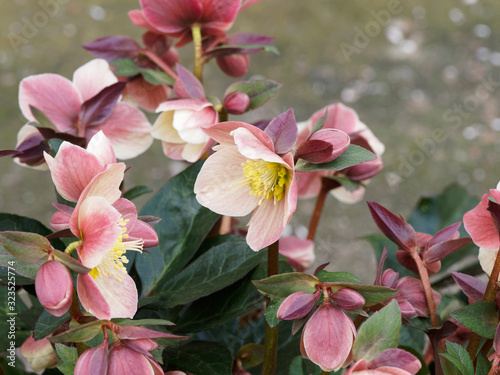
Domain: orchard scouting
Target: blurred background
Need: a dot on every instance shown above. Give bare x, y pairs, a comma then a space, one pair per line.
422, 74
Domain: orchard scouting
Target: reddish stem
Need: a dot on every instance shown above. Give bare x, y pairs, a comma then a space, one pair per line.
160, 63
426, 283
327, 184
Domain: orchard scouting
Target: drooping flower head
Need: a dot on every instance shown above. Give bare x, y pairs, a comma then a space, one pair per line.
247, 174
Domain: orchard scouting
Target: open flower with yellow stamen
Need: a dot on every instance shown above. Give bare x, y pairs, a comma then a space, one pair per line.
246, 174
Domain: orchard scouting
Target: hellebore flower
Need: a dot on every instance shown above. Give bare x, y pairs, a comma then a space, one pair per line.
323, 146
86, 105
54, 287
481, 226
179, 126
390, 362
177, 17
328, 337
246, 174
344, 119
431, 249
40, 354
298, 252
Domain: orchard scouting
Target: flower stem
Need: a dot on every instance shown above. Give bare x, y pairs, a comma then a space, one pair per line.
426, 283
489, 296
198, 53
271, 341
327, 184
160, 63
324, 373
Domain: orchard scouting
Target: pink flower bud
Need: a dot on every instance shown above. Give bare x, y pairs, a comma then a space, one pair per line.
348, 299
328, 337
297, 305
235, 65
40, 354
54, 287
324, 146
365, 170
236, 103
93, 360
121, 356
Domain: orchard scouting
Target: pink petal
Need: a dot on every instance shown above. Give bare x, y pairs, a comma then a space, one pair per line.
145, 232
163, 129
146, 95
100, 146
98, 228
171, 16
138, 19
220, 187
297, 305
221, 133
52, 94
134, 333
91, 298
267, 223
72, 170
397, 358
193, 152
54, 287
339, 117
173, 151
123, 360
128, 130
479, 224
176, 104
472, 287
251, 147
188, 124
92, 77
220, 14
93, 361
299, 252
60, 221
348, 299
309, 184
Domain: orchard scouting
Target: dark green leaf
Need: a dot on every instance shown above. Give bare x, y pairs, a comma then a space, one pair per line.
54, 143
258, 91
136, 191
459, 357
180, 232
217, 268
483, 366
47, 323
125, 67
480, 317
284, 284
42, 118
156, 77
325, 276
352, 156
271, 311
200, 357
378, 333
67, 358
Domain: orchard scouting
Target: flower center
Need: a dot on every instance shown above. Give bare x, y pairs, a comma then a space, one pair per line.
266, 179
115, 259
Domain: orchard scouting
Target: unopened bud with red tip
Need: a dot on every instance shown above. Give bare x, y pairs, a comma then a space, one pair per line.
297, 305
324, 146
347, 299
54, 287
236, 103
40, 354
235, 65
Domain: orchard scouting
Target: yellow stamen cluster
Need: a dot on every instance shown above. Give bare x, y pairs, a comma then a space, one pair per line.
266, 179
115, 258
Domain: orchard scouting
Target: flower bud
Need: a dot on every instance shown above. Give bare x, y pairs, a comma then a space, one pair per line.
324, 146
348, 299
40, 354
54, 287
235, 65
297, 305
236, 103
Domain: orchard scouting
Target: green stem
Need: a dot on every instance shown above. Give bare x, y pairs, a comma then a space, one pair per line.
198, 53
327, 184
271, 341
489, 296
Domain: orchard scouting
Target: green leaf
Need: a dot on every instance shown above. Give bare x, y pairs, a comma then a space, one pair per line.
80, 333
180, 232
325, 276
378, 333
371, 293
70, 262
157, 77
319, 123
480, 317
42, 118
347, 183
48, 323
459, 357
271, 311
483, 365
217, 268
25, 246
258, 91
352, 156
301, 366
125, 67
142, 322
284, 284
200, 357
54, 144
137, 191
67, 358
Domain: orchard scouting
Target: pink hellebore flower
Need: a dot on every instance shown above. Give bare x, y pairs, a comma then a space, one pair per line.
54, 287
298, 252
177, 17
479, 223
389, 362
74, 109
245, 174
40, 354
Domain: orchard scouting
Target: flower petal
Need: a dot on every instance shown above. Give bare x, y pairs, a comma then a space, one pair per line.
252, 147
171, 16
92, 77
120, 293
487, 258
52, 94
479, 224
221, 133
101, 147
